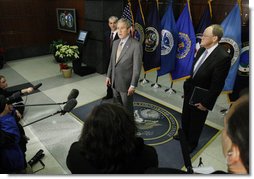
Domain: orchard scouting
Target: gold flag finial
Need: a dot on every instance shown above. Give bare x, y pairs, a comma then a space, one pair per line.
210, 7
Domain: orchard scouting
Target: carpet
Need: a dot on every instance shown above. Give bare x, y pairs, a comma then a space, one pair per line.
159, 126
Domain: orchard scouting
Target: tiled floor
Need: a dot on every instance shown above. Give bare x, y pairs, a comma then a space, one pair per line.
55, 134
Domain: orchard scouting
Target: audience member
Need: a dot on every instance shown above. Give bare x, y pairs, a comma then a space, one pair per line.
12, 159
18, 110
235, 136
108, 144
109, 37
7, 93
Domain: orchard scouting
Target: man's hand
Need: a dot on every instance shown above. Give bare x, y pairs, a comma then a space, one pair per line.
200, 107
18, 115
27, 90
108, 82
131, 91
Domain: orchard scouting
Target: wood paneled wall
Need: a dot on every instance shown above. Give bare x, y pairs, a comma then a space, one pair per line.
28, 26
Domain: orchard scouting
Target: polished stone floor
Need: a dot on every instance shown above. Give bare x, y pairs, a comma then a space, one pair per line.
56, 133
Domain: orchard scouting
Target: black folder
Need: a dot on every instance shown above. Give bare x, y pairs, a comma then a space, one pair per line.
197, 95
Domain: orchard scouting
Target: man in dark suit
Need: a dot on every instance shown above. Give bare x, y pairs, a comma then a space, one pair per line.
109, 37
125, 65
210, 69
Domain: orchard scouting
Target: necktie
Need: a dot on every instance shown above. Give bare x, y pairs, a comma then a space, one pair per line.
111, 39
119, 50
199, 63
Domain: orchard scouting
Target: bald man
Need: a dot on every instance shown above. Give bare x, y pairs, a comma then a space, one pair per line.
210, 69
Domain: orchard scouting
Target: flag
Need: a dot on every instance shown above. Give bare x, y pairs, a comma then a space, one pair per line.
127, 13
232, 39
169, 36
139, 33
152, 49
205, 21
186, 45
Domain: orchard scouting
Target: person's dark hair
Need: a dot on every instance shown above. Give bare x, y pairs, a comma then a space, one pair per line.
3, 103
108, 136
238, 129
217, 31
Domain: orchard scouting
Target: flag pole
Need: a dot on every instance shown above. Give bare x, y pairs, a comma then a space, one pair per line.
144, 80
156, 85
170, 90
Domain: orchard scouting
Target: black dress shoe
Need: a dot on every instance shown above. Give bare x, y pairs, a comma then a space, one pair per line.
107, 97
191, 149
176, 137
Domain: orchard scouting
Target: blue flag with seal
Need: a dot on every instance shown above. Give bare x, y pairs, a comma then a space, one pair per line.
152, 50
232, 40
139, 33
186, 46
169, 37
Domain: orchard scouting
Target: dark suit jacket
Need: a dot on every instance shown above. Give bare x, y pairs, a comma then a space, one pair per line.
126, 71
108, 49
211, 75
142, 158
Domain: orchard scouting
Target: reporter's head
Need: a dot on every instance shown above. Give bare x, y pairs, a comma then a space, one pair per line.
4, 107
109, 133
3, 82
235, 136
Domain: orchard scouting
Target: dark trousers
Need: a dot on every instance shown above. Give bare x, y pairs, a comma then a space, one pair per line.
193, 121
109, 92
123, 99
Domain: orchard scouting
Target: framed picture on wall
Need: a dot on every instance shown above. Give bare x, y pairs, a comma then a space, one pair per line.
66, 19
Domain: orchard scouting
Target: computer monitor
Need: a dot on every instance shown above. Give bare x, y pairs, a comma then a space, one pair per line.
82, 36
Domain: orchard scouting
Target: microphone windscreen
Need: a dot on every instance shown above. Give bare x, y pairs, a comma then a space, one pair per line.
69, 105
37, 86
73, 94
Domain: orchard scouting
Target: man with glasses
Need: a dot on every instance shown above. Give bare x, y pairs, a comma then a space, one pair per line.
210, 69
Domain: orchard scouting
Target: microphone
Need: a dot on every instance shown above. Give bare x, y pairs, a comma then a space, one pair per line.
38, 156
69, 106
12, 99
37, 86
73, 94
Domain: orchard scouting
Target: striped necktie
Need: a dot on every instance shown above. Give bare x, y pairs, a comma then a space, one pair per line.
199, 62
119, 50
111, 39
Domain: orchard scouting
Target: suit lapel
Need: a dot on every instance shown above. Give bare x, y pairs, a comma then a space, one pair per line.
125, 48
114, 49
208, 61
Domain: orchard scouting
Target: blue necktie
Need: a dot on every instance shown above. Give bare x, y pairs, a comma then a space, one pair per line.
199, 62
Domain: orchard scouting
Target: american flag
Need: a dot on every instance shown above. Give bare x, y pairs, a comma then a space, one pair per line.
127, 13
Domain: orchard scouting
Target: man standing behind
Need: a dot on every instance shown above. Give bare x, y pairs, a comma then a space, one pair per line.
125, 65
110, 36
210, 69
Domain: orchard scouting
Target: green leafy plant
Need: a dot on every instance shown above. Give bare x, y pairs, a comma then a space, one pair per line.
52, 46
67, 53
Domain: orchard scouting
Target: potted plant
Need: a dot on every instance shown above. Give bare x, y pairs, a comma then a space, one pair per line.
66, 53
52, 48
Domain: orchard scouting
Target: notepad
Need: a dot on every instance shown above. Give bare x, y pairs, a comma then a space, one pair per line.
197, 95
